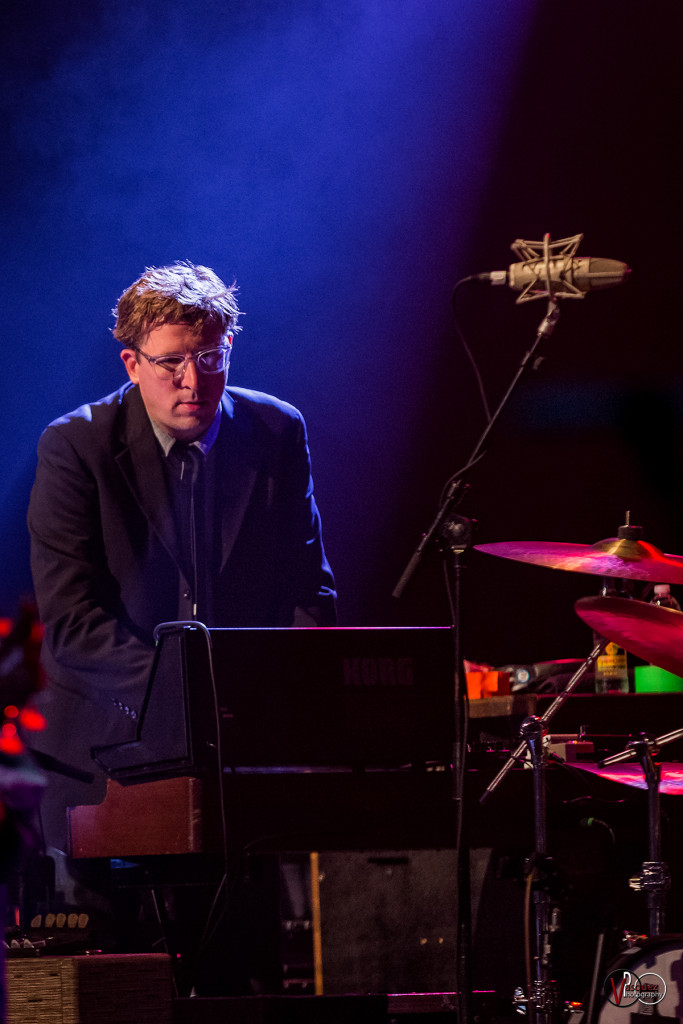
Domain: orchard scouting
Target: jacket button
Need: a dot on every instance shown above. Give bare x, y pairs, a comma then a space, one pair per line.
187, 595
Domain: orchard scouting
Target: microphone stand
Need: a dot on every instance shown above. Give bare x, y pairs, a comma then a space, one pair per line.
453, 533
654, 878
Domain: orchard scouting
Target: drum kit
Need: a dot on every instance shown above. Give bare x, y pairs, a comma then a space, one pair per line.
649, 978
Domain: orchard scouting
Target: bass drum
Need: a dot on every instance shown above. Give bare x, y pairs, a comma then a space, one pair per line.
646, 980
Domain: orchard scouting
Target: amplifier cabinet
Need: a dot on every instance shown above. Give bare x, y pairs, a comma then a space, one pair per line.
387, 921
98, 989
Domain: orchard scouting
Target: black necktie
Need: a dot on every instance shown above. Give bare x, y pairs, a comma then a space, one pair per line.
185, 463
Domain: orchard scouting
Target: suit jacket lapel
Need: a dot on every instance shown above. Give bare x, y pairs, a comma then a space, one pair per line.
237, 466
141, 463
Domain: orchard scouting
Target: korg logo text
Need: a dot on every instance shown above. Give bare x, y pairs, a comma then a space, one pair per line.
378, 672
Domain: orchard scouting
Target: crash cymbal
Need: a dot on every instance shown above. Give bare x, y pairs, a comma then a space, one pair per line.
617, 556
653, 633
671, 778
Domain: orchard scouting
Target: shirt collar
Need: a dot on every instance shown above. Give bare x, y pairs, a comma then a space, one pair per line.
204, 443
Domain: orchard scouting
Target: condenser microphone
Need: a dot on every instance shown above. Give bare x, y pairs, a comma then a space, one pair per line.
552, 270
570, 277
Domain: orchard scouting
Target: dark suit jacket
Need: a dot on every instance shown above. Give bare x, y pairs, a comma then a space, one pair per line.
107, 563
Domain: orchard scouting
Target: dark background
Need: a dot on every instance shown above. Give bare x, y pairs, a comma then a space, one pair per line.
347, 164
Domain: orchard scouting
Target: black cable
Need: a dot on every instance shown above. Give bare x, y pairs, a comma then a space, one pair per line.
466, 347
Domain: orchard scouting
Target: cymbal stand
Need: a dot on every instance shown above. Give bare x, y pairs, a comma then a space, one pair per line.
542, 999
518, 755
654, 877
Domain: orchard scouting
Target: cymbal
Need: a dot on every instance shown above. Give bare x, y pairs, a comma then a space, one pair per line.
615, 556
670, 782
653, 633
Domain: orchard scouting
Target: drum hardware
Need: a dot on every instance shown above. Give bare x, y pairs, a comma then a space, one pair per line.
542, 1000
518, 754
655, 634
651, 632
654, 878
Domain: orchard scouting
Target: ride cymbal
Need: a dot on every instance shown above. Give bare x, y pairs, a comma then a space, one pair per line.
616, 556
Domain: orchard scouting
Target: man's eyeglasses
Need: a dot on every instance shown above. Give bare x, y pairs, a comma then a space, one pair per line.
211, 360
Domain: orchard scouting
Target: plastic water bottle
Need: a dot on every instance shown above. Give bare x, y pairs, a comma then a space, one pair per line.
664, 598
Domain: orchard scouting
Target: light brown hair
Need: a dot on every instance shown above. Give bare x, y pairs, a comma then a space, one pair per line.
178, 294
